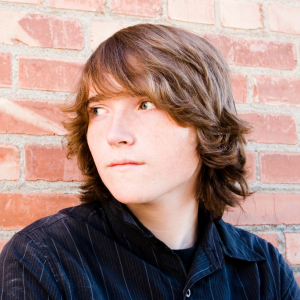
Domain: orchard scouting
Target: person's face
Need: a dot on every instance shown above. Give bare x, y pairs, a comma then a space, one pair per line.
141, 154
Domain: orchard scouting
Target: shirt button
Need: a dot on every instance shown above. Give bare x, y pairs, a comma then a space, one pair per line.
188, 294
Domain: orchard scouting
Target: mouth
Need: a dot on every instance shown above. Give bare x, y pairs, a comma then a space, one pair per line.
124, 163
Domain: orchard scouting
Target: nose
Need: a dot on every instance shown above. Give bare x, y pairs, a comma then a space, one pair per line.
120, 131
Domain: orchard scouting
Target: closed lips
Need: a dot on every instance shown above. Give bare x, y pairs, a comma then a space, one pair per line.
124, 162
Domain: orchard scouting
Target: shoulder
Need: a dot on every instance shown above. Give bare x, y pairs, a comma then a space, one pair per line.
239, 238
271, 265
71, 215
54, 228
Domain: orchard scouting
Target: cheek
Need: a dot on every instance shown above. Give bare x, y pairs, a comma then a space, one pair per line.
95, 140
176, 150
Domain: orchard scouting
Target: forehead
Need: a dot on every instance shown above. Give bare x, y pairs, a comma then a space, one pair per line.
115, 89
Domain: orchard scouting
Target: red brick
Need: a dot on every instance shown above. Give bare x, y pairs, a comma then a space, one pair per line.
31, 117
89, 5
255, 53
239, 87
279, 167
292, 247
37, 2
48, 74
102, 30
196, 11
245, 15
41, 30
276, 90
283, 18
271, 128
271, 238
50, 163
5, 67
251, 167
2, 244
266, 209
297, 277
19, 210
9, 162
144, 8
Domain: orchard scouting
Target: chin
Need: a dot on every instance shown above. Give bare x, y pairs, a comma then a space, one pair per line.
128, 196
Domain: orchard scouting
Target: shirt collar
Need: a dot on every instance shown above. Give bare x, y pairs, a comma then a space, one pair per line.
216, 237
234, 245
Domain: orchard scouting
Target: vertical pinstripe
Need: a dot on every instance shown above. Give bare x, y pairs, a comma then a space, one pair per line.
3, 265
148, 280
171, 288
241, 285
211, 289
122, 270
70, 293
155, 257
23, 270
97, 261
42, 274
158, 268
271, 274
80, 258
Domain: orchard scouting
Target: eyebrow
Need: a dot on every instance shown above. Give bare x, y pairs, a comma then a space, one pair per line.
96, 98
99, 98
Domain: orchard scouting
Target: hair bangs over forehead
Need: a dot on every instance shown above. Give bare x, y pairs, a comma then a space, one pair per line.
118, 67
154, 62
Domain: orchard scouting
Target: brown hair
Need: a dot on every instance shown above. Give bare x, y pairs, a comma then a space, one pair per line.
183, 74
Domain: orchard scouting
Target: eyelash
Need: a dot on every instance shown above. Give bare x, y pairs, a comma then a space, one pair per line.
140, 104
91, 111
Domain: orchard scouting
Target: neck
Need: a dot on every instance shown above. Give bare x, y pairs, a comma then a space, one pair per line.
173, 222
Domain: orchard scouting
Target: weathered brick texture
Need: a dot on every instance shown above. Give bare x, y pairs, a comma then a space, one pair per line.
298, 279
19, 210
292, 248
237, 14
144, 8
279, 167
255, 53
36, 2
50, 163
271, 128
5, 67
33, 117
267, 209
276, 90
102, 30
40, 30
197, 11
239, 87
251, 167
48, 74
284, 18
9, 162
89, 5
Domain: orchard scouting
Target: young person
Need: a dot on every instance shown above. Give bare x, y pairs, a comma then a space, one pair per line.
157, 138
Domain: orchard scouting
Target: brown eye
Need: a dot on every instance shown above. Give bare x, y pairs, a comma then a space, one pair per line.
145, 105
97, 111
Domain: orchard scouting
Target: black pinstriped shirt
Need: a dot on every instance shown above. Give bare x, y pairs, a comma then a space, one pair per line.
101, 251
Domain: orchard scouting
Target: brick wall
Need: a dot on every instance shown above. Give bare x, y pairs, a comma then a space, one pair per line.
43, 45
